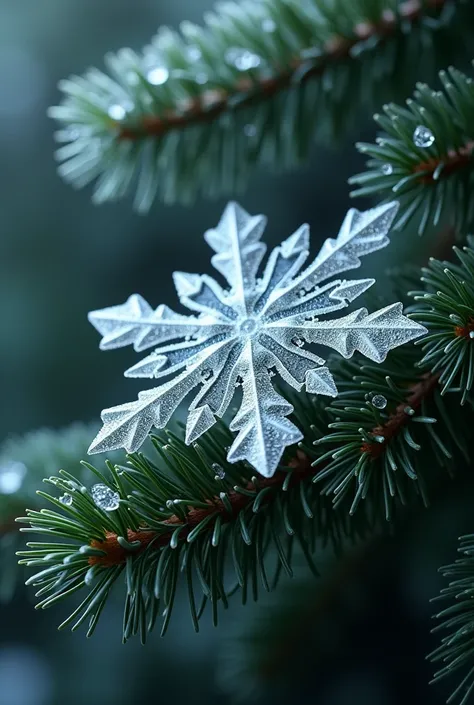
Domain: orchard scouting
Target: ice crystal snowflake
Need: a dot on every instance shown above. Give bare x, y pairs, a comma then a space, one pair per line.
243, 335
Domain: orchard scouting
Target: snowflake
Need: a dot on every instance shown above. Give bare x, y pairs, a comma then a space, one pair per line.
245, 334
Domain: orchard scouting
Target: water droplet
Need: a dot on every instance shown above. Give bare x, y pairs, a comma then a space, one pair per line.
379, 401
423, 137
250, 130
11, 477
409, 411
299, 342
66, 499
158, 75
242, 59
471, 334
117, 112
201, 78
387, 169
194, 53
105, 498
268, 25
219, 470
379, 439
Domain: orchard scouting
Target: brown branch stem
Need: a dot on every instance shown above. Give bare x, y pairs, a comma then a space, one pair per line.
115, 554
212, 103
399, 418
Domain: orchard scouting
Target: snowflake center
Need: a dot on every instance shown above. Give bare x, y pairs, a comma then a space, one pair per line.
249, 326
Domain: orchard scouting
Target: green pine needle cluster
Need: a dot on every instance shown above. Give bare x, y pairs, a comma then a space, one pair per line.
197, 110
448, 308
456, 651
430, 180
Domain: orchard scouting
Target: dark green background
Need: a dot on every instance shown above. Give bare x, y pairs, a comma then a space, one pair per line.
59, 258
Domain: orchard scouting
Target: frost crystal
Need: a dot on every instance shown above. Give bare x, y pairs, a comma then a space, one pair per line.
242, 334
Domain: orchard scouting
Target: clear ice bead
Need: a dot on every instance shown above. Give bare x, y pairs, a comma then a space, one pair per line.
242, 59
105, 498
379, 401
423, 137
219, 470
66, 499
157, 75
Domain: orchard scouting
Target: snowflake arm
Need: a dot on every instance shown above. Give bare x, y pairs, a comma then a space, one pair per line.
239, 252
374, 335
263, 429
361, 234
126, 426
136, 323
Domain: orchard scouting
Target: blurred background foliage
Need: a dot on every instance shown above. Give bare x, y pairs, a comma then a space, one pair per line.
60, 257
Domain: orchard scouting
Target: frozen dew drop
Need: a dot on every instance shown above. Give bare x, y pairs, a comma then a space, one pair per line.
105, 498
423, 137
207, 374
301, 293
379, 401
268, 25
471, 334
201, 78
242, 59
194, 53
117, 112
158, 75
409, 411
379, 439
219, 470
250, 130
66, 499
387, 169
11, 477
239, 381
271, 373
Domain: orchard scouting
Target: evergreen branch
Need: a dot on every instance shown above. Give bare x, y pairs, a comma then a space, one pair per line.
448, 305
24, 461
197, 111
384, 416
426, 154
188, 515
456, 650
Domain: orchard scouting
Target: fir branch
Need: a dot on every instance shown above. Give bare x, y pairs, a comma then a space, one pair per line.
435, 176
24, 462
456, 650
179, 515
447, 305
197, 111
375, 452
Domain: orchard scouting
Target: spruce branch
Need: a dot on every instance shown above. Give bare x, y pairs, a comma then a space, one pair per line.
456, 650
177, 515
24, 461
392, 453
198, 110
448, 305
425, 154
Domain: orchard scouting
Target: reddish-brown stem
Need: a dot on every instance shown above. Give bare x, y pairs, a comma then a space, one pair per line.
116, 554
418, 392
453, 161
212, 103
465, 331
